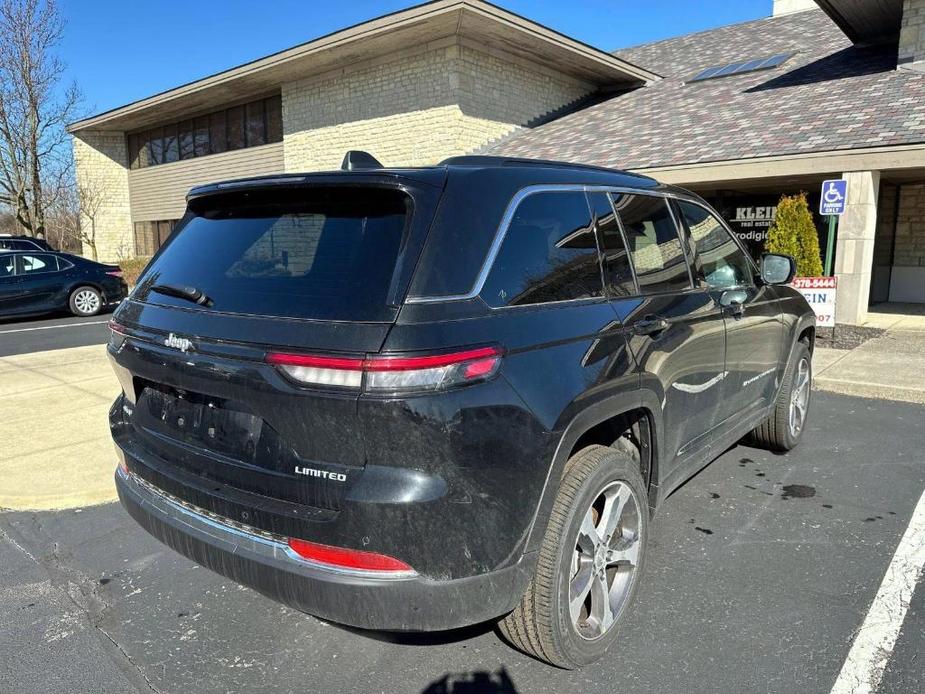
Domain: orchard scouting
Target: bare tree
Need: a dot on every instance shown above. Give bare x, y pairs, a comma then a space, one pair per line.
74, 215
33, 111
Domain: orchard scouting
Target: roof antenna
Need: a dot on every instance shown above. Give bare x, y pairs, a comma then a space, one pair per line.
356, 159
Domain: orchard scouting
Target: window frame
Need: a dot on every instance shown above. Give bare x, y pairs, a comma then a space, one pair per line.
680, 231
603, 251
143, 140
497, 244
507, 218
24, 249
691, 246
20, 264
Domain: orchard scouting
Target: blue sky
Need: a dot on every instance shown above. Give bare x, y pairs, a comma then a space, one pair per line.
122, 50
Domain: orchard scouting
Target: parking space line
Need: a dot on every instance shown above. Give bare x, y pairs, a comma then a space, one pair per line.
52, 327
873, 645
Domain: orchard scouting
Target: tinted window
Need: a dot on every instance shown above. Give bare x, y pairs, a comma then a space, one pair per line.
155, 146
201, 136
7, 265
618, 277
256, 128
654, 244
171, 148
18, 245
322, 253
235, 128
186, 139
217, 132
720, 261
548, 254
35, 264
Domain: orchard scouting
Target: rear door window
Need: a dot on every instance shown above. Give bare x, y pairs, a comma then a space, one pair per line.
321, 253
549, 253
654, 244
618, 276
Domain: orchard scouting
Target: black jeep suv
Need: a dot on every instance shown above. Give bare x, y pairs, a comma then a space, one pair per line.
416, 399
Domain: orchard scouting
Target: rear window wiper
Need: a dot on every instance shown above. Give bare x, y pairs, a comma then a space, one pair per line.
197, 296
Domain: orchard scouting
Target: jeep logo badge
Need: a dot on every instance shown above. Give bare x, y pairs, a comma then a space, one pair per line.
177, 342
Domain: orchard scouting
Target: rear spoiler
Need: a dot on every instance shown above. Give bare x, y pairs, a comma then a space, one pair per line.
431, 176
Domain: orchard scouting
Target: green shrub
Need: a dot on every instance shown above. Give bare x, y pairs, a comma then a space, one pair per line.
794, 233
132, 267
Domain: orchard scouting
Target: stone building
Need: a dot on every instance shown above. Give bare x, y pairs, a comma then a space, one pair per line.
741, 114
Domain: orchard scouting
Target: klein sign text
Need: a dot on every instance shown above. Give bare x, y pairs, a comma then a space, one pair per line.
820, 293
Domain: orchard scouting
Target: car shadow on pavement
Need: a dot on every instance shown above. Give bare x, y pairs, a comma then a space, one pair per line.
478, 682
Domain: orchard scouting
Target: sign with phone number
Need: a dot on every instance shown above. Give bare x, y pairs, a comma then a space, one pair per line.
820, 293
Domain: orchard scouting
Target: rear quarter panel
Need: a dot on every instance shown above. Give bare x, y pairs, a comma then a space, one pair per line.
494, 444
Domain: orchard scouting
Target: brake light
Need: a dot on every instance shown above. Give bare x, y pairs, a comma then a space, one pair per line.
391, 373
114, 273
353, 559
117, 328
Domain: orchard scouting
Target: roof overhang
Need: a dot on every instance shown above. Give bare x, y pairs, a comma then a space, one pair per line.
866, 21
490, 26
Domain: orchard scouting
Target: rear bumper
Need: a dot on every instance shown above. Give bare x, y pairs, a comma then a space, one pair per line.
265, 563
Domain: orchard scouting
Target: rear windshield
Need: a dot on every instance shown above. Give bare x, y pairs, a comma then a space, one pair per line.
319, 253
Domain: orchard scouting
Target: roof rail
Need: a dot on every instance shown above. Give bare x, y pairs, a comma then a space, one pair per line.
492, 160
357, 159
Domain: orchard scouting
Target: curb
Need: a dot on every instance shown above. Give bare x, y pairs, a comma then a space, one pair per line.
870, 390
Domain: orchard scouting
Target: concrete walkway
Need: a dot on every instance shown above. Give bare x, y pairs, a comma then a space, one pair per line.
890, 367
55, 448
905, 317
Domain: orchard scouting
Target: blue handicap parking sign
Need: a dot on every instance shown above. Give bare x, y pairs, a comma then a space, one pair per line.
834, 197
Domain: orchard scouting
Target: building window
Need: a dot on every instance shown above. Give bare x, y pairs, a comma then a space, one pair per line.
249, 125
149, 236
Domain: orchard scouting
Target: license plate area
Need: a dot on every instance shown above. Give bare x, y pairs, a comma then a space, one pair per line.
201, 421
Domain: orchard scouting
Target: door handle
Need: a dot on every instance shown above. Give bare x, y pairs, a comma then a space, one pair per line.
733, 302
650, 325
735, 308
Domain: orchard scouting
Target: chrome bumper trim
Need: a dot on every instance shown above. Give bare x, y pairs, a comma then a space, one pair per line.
235, 537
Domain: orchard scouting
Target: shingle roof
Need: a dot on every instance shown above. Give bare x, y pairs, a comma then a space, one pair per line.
830, 95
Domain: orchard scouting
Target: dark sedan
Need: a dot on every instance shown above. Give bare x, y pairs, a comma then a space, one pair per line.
40, 282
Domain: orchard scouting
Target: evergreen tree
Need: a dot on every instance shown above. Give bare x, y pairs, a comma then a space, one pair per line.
794, 233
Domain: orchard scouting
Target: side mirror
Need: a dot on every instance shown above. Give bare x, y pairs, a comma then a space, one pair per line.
777, 269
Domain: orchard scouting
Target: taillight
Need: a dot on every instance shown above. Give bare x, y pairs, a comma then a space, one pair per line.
117, 328
114, 273
392, 373
351, 559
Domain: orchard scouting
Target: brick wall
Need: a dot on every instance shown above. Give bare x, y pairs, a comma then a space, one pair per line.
418, 107
412, 108
100, 159
912, 36
910, 226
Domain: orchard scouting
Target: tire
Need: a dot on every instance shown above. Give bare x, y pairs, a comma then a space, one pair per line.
85, 301
542, 625
784, 428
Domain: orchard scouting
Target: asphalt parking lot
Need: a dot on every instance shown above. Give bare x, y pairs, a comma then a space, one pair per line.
762, 569
57, 331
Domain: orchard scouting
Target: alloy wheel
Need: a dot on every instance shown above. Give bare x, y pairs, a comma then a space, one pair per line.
604, 560
799, 398
87, 301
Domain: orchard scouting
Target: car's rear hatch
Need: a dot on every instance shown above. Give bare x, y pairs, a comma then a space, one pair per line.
315, 265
